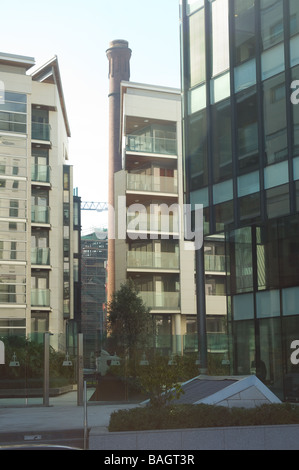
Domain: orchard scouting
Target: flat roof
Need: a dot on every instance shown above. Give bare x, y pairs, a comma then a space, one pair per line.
17, 60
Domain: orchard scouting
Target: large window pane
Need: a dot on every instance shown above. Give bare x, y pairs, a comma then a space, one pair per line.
271, 22
222, 145
197, 152
269, 368
291, 379
224, 215
278, 202
273, 61
244, 335
249, 207
197, 48
220, 37
267, 256
245, 32
295, 112
275, 120
294, 17
247, 128
289, 252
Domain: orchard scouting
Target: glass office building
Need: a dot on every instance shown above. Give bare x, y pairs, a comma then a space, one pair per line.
240, 72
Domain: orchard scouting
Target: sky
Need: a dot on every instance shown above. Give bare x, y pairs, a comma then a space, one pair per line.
78, 32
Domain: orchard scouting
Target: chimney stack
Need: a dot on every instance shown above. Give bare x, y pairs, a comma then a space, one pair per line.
119, 56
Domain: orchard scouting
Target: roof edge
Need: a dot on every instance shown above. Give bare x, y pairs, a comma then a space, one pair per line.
39, 75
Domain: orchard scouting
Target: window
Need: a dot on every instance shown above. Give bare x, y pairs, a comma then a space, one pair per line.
244, 31
197, 48
13, 112
197, 152
294, 17
271, 22
275, 119
295, 112
249, 207
220, 37
13, 250
222, 145
247, 131
14, 209
278, 202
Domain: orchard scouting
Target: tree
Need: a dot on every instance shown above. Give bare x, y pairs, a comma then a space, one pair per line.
160, 381
128, 318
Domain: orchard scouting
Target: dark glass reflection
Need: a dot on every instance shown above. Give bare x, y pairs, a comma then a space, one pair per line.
222, 144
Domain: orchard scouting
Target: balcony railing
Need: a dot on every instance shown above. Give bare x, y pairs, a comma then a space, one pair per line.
40, 173
40, 131
150, 260
40, 214
165, 184
40, 297
40, 256
141, 143
162, 300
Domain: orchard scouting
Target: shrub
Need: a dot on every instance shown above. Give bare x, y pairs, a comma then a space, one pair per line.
201, 416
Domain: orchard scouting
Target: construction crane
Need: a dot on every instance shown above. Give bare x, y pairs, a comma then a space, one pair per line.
94, 206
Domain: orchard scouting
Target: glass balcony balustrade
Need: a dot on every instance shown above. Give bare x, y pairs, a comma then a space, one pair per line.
40, 297
151, 260
40, 131
40, 214
165, 184
40, 173
40, 256
161, 300
145, 144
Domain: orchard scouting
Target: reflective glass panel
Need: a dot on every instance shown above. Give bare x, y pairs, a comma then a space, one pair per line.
244, 30
275, 120
220, 37
197, 151
247, 131
197, 48
272, 30
222, 144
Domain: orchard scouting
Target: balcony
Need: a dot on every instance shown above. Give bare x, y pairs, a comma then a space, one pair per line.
150, 260
161, 300
144, 144
40, 298
40, 214
40, 173
40, 256
164, 184
40, 131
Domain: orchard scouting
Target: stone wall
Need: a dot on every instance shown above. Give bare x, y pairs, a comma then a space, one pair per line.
229, 438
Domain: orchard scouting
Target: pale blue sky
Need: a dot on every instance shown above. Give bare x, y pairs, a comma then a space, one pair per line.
79, 32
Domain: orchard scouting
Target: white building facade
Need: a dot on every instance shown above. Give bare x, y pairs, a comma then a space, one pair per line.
153, 251
36, 200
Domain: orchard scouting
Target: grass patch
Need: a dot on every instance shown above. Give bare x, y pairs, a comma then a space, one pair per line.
201, 416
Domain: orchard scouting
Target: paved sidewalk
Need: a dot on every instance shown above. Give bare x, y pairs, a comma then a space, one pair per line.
63, 415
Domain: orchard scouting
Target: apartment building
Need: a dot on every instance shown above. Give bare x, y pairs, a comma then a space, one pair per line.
240, 68
150, 247
36, 201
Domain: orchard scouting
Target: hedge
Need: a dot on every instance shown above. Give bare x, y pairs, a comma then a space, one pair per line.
201, 416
